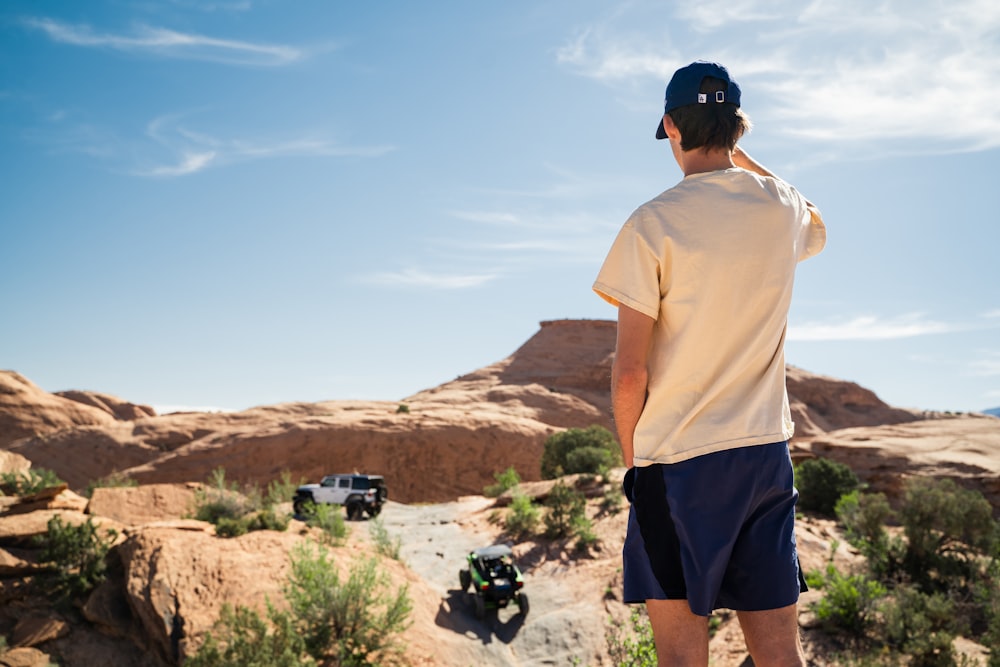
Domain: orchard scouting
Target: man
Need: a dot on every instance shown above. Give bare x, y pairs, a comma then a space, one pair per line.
702, 277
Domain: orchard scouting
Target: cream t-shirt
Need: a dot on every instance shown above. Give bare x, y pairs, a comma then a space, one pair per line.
713, 260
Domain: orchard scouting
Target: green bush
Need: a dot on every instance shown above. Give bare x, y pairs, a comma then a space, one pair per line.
942, 571
948, 530
28, 483
249, 640
281, 490
522, 517
506, 480
632, 646
330, 520
595, 449
384, 544
921, 626
821, 483
78, 552
354, 622
849, 602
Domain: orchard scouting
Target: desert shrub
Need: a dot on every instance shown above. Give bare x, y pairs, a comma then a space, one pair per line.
384, 544
948, 529
942, 572
507, 479
219, 500
330, 520
575, 450
849, 602
612, 499
29, 482
267, 519
921, 626
821, 483
353, 622
632, 645
78, 553
564, 506
114, 480
522, 517
864, 517
249, 640
403, 409
583, 530
280, 490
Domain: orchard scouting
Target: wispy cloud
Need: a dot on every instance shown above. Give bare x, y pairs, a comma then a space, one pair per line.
424, 279
923, 74
870, 327
987, 365
168, 43
194, 151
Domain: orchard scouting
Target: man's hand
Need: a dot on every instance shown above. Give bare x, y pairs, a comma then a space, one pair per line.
629, 375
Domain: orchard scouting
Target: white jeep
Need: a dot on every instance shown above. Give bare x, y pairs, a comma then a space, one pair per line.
357, 493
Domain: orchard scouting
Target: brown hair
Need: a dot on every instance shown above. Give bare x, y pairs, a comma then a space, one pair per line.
710, 126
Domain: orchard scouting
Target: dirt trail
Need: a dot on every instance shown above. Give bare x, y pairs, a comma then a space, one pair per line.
565, 624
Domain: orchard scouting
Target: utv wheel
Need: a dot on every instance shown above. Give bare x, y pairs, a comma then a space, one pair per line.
464, 580
480, 607
355, 510
305, 508
522, 604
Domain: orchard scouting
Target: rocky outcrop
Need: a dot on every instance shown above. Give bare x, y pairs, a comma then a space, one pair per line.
114, 406
27, 410
433, 446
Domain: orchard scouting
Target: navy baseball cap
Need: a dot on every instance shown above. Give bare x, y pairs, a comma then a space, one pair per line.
685, 86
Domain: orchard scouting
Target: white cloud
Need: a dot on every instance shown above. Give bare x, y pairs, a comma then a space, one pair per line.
419, 278
170, 44
191, 163
989, 365
871, 328
195, 150
924, 74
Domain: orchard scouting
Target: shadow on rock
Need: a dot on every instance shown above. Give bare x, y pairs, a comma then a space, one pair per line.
457, 613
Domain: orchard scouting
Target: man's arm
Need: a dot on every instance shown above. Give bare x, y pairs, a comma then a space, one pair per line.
629, 375
743, 160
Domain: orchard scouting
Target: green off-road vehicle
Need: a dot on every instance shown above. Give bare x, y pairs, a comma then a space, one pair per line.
494, 578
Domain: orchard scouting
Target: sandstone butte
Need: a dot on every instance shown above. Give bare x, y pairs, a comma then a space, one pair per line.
172, 574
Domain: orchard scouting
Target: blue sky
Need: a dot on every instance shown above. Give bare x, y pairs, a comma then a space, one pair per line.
235, 203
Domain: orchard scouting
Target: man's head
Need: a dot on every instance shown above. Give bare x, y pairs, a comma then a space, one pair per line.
703, 102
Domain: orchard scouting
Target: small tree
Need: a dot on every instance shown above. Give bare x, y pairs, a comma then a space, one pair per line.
591, 450
565, 506
79, 554
27, 483
522, 517
821, 483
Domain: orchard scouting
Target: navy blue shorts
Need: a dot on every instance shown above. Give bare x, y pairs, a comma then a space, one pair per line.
717, 530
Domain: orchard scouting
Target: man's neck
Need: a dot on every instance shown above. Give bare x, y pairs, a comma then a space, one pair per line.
698, 161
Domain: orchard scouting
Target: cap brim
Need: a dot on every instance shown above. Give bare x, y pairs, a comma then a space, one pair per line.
660, 133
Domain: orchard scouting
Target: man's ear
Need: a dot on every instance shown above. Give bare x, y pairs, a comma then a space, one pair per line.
670, 128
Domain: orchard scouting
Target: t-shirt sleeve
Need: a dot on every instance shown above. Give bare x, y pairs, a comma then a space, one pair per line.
630, 274
812, 238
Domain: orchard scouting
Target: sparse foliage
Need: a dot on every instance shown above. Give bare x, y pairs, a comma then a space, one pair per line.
385, 544
632, 645
505, 480
330, 520
114, 480
28, 483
